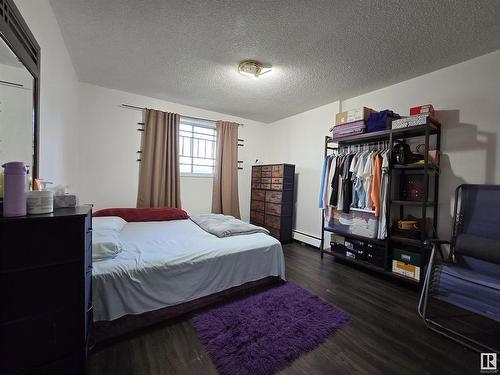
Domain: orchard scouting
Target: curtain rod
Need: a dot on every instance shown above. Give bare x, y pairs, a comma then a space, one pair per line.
144, 108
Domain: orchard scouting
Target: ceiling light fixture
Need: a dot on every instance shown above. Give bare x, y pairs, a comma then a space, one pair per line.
253, 68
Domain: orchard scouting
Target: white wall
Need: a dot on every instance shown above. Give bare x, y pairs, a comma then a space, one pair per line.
466, 96
109, 140
299, 140
89, 142
58, 95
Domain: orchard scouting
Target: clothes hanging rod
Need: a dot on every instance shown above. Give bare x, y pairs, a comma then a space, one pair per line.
144, 108
364, 144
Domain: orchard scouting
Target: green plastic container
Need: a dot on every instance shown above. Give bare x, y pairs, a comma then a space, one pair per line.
407, 257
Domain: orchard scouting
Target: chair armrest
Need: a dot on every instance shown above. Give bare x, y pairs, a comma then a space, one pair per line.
435, 241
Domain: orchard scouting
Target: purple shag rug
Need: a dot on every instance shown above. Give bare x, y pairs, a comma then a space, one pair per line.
265, 332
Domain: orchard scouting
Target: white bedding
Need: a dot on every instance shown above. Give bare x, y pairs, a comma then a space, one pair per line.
165, 263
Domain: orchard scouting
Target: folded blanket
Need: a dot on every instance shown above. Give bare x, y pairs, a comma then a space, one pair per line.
144, 214
225, 225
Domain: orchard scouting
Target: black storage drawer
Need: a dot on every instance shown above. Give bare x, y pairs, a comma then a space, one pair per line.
376, 255
353, 252
337, 248
49, 336
41, 290
355, 249
46, 289
30, 251
67, 365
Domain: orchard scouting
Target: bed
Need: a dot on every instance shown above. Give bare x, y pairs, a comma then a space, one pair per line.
171, 267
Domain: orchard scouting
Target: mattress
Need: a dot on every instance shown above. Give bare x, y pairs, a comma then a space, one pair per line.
166, 263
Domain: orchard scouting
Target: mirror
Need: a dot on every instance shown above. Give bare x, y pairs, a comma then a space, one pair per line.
17, 131
19, 91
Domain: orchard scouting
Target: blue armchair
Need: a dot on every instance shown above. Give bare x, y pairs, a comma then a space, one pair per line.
470, 277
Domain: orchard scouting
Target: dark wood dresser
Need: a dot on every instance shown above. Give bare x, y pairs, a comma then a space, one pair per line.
46, 289
271, 203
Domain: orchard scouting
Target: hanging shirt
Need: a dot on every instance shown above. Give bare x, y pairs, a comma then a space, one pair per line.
335, 181
329, 190
326, 181
347, 184
376, 181
384, 189
340, 200
322, 183
360, 186
367, 180
354, 178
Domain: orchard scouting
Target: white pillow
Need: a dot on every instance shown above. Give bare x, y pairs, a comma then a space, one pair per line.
114, 223
106, 244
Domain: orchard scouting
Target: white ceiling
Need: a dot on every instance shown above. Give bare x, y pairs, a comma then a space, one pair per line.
187, 51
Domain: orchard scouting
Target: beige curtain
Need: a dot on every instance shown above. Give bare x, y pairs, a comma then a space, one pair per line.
159, 182
225, 191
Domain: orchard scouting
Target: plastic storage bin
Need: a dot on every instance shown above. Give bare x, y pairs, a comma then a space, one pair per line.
360, 223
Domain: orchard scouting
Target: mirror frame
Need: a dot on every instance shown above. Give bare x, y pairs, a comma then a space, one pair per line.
17, 35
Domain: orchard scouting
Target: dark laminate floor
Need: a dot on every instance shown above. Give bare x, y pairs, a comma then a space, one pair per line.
385, 335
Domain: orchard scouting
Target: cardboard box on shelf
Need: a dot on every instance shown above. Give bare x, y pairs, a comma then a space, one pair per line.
415, 120
352, 115
421, 109
405, 269
335, 238
406, 263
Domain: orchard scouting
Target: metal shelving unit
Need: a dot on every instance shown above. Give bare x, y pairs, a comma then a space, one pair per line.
431, 128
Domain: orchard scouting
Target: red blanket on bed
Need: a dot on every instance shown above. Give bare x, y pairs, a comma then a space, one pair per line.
144, 214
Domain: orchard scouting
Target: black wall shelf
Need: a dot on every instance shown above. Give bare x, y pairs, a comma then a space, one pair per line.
429, 201
355, 237
413, 203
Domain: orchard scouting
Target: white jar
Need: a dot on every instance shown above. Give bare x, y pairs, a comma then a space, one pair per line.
40, 202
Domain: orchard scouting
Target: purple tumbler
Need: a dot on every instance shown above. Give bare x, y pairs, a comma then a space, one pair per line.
14, 189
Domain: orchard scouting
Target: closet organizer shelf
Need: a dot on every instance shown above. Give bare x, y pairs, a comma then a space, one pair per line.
429, 200
413, 167
356, 261
407, 240
355, 236
409, 132
413, 203
372, 267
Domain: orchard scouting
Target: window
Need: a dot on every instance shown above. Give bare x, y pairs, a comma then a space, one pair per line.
196, 147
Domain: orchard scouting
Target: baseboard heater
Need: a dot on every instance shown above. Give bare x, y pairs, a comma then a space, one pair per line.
307, 238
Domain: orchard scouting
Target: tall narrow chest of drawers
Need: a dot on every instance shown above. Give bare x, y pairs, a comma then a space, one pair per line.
46, 289
271, 203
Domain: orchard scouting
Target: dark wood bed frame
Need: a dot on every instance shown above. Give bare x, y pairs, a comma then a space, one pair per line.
107, 330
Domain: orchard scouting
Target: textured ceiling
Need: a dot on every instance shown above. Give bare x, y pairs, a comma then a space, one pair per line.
187, 51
